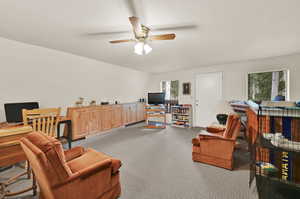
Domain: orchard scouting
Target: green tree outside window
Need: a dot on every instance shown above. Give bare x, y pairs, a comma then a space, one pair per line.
266, 86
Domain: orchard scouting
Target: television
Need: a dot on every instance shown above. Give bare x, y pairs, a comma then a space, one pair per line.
156, 98
13, 111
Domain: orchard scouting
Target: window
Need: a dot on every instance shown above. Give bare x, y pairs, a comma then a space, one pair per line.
170, 88
268, 86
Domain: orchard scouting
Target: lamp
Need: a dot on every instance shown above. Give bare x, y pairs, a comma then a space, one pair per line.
142, 48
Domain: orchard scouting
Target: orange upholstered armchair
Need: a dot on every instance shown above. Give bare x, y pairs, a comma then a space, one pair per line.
73, 174
216, 145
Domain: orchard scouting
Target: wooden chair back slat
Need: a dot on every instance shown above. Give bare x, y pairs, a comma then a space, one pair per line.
33, 125
51, 125
48, 126
44, 120
44, 124
39, 124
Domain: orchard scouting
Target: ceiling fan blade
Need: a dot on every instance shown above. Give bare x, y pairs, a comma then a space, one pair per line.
174, 27
163, 37
136, 26
108, 33
121, 41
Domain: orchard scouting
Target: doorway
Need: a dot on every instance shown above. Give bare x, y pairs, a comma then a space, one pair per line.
208, 94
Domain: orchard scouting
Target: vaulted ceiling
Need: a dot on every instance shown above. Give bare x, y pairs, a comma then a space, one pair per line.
208, 31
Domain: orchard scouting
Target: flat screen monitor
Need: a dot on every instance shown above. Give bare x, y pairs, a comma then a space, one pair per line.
156, 98
13, 111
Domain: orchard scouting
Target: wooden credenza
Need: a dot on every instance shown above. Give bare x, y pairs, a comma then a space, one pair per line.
89, 120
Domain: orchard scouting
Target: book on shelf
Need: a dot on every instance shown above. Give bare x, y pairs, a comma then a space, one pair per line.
155, 116
182, 115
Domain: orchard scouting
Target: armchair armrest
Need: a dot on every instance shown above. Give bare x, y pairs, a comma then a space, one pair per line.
205, 136
196, 141
216, 146
87, 172
97, 167
74, 153
116, 164
214, 137
212, 129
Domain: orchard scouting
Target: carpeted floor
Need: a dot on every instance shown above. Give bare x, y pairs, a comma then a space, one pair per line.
157, 164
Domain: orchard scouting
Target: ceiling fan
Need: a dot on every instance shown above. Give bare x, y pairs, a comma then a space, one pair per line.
142, 37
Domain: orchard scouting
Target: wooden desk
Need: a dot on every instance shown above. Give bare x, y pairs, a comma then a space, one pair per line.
12, 153
10, 148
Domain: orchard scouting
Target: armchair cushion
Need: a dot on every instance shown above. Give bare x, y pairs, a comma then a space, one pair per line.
91, 157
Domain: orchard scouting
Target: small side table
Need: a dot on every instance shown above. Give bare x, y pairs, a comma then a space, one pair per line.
67, 121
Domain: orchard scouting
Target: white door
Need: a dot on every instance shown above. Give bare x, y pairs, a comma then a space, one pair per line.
208, 94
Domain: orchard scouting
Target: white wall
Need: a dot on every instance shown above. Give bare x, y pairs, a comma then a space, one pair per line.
234, 76
57, 79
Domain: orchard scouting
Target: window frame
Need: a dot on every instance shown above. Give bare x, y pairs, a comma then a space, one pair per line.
269, 71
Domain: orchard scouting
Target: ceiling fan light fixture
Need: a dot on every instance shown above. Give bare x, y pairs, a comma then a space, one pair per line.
147, 48
142, 48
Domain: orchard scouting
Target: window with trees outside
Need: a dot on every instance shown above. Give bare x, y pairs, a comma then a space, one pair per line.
171, 90
268, 86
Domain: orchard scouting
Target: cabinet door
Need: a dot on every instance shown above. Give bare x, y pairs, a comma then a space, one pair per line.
106, 119
99, 120
133, 113
81, 120
140, 112
126, 114
93, 123
117, 116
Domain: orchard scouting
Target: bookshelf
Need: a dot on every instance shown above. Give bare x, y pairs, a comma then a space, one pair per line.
155, 116
182, 115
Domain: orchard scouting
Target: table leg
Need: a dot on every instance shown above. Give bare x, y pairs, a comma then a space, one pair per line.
4, 191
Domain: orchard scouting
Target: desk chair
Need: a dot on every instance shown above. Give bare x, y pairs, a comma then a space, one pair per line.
42, 120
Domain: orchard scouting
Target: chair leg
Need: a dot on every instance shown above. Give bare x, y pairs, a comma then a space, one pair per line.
34, 185
4, 191
28, 170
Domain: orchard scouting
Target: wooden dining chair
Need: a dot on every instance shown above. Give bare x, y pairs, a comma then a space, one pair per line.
43, 120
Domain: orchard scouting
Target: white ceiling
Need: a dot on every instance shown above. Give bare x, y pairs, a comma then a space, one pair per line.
226, 30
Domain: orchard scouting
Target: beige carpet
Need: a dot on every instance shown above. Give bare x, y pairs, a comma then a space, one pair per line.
157, 164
